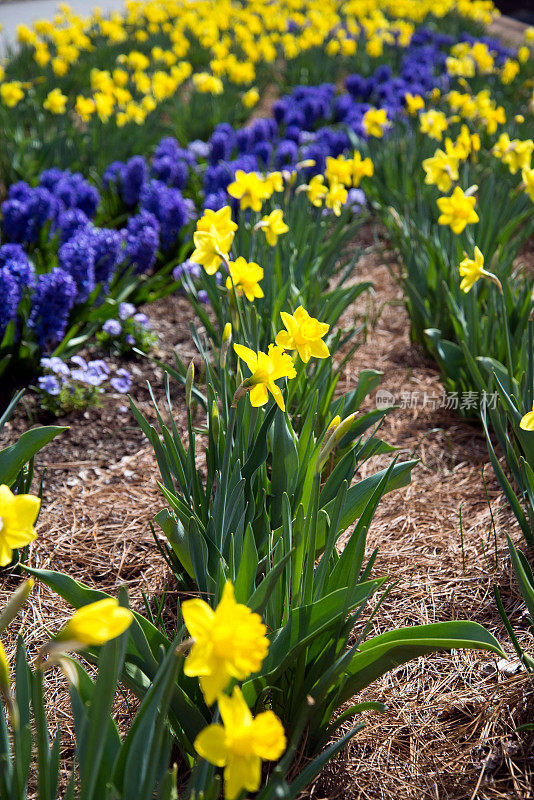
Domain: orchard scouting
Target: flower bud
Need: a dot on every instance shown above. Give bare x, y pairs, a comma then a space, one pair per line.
189, 383
215, 421
4, 671
226, 340
15, 603
330, 441
227, 332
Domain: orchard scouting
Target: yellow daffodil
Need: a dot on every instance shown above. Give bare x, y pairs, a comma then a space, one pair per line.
414, 103
251, 98
211, 248
361, 168
523, 54
60, 66
375, 122
249, 189
96, 623
527, 421
55, 102
338, 170
11, 93
17, 518
509, 71
240, 744
229, 642
334, 423
85, 107
274, 182
433, 123
528, 179
316, 190
515, 153
266, 368
336, 197
221, 220
466, 143
471, 269
458, 210
208, 84
303, 334
273, 226
442, 168
245, 277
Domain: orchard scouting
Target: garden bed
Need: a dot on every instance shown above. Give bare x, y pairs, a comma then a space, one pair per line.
274, 487
449, 728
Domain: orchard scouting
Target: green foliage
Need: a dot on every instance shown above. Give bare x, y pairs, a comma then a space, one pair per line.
17, 460
443, 318
104, 764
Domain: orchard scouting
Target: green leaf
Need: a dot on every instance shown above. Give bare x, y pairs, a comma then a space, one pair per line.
387, 651
14, 457
523, 575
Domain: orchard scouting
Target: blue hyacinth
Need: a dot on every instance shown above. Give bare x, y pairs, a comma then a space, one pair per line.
77, 258
9, 299
142, 241
15, 260
51, 305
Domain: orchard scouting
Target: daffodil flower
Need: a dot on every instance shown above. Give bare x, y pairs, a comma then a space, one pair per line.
458, 210
360, 168
221, 220
528, 179
211, 248
266, 368
240, 743
375, 122
229, 642
245, 278
273, 226
17, 517
442, 168
414, 103
249, 189
303, 334
336, 197
316, 191
471, 269
55, 102
96, 623
338, 170
527, 421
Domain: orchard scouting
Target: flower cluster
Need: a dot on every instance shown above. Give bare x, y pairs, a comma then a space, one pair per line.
63, 387
28, 209
229, 644
151, 68
130, 329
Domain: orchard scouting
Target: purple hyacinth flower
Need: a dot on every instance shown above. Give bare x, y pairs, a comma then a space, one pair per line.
56, 365
112, 327
49, 384
126, 310
122, 381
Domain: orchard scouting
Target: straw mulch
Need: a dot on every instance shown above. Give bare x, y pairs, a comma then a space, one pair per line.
449, 729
